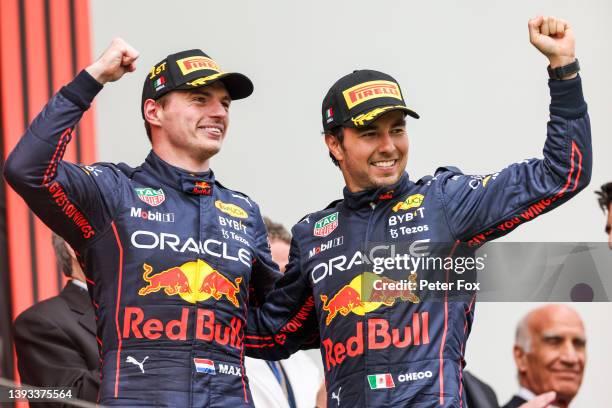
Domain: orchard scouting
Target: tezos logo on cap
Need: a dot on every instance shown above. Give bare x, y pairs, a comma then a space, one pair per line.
326, 225
151, 196
190, 64
371, 90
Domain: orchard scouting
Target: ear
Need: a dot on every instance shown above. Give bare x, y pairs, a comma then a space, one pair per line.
70, 250
520, 358
334, 147
151, 112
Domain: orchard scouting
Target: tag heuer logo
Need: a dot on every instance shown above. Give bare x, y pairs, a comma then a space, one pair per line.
326, 225
151, 196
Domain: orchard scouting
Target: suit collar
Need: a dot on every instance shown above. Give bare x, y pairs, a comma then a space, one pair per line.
180, 179
367, 197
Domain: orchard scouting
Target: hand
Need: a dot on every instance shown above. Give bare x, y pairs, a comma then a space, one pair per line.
321, 401
554, 38
114, 62
541, 401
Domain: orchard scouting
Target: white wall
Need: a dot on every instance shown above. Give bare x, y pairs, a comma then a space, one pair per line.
467, 67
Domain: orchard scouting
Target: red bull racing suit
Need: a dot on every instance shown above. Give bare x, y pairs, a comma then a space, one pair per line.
169, 257
392, 348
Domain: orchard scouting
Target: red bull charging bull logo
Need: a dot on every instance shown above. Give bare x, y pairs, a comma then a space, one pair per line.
193, 281
366, 293
202, 188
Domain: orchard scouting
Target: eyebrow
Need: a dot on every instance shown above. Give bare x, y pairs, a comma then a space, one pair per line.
206, 92
399, 122
553, 336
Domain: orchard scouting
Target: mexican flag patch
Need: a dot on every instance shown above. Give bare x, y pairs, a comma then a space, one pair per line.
378, 381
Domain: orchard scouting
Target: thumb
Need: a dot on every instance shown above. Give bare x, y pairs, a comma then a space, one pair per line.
534, 27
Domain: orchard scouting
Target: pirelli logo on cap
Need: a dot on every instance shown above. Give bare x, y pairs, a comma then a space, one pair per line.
190, 64
371, 90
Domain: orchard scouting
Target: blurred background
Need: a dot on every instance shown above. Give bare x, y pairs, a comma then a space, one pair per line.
466, 67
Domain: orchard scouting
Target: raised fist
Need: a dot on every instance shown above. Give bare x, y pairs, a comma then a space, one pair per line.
114, 62
554, 38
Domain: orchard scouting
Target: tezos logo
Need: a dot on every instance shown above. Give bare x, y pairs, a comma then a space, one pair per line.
326, 225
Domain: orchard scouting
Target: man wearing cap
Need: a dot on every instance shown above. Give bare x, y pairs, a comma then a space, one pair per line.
397, 345
169, 253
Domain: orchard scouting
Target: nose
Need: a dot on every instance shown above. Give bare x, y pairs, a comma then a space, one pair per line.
217, 109
386, 144
569, 354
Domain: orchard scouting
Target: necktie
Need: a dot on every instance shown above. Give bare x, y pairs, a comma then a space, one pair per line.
281, 377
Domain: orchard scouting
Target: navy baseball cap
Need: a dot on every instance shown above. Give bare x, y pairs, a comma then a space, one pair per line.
359, 98
189, 70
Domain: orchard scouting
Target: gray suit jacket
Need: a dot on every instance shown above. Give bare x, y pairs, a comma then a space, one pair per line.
56, 344
478, 394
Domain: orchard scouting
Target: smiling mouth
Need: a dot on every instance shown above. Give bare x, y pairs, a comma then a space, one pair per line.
212, 129
384, 164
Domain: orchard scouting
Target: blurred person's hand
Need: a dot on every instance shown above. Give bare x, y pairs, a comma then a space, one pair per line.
322, 396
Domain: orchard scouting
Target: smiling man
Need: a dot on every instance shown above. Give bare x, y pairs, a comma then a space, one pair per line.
401, 347
550, 354
170, 254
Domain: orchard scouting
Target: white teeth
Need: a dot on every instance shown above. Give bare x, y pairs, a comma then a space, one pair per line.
388, 163
212, 130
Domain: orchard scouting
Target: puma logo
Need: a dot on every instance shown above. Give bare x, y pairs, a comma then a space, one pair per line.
132, 360
337, 396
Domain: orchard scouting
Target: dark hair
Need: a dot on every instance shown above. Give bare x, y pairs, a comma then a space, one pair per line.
276, 231
338, 133
605, 196
162, 101
62, 256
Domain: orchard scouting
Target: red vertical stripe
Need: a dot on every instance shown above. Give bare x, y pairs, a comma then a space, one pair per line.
61, 54
12, 121
83, 44
575, 147
443, 342
117, 308
37, 98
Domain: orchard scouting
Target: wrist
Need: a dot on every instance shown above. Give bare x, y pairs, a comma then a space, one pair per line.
96, 73
563, 72
561, 60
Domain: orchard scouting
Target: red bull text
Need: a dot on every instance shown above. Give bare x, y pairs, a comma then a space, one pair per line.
379, 336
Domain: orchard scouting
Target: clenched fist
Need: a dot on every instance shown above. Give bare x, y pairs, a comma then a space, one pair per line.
554, 38
114, 62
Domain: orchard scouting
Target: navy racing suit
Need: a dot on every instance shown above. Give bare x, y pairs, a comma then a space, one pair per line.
393, 348
170, 258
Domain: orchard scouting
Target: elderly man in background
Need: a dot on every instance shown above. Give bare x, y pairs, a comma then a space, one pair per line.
550, 355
